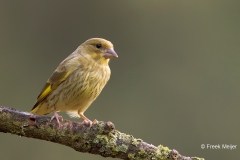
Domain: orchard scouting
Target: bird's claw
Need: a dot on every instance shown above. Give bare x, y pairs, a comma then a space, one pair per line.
89, 122
57, 117
95, 121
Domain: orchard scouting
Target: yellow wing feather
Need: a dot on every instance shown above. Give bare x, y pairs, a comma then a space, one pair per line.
47, 89
58, 76
56, 79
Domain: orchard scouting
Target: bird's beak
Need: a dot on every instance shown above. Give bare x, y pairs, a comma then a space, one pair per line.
110, 53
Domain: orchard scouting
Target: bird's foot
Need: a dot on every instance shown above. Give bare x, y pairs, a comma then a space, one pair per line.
89, 122
95, 121
57, 117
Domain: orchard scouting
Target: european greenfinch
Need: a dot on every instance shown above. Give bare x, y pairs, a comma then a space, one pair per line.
77, 81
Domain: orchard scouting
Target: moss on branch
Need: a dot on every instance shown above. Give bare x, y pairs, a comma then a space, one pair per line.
101, 138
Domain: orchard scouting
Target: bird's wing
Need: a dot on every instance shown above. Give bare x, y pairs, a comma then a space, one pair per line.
58, 76
54, 81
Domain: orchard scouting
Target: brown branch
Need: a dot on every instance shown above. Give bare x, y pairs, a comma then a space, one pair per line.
101, 138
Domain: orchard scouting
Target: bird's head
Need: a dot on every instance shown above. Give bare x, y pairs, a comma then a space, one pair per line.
98, 49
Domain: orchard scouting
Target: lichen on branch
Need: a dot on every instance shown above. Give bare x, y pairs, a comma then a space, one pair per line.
101, 138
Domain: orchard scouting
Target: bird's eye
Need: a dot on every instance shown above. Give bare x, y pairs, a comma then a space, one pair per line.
98, 45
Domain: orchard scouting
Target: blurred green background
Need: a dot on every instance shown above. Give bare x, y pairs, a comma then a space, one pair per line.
176, 81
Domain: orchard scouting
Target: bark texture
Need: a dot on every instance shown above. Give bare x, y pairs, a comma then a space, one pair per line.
101, 138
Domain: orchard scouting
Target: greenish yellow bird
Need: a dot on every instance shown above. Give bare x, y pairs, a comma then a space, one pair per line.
77, 81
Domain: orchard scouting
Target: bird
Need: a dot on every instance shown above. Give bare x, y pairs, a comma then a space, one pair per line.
77, 81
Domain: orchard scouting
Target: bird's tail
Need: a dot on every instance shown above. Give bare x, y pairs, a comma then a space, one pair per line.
42, 109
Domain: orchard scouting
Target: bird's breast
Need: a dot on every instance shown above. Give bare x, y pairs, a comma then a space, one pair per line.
84, 86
